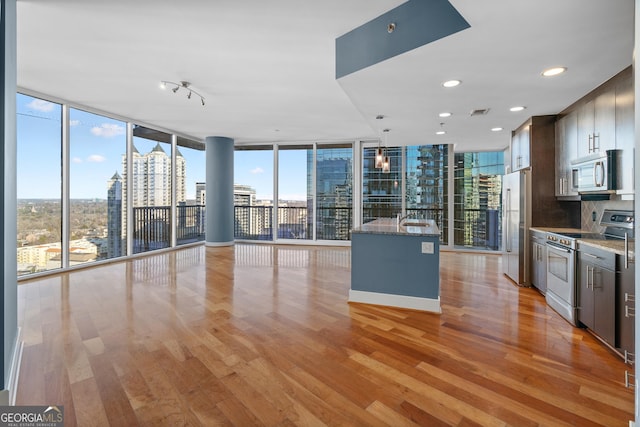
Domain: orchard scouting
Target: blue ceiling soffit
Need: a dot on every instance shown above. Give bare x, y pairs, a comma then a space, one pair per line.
417, 22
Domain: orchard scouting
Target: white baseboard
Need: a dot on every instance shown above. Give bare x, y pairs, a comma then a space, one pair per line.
9, 395
402, 301
218, 244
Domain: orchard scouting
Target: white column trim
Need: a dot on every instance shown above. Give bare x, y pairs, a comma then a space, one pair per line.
66, 188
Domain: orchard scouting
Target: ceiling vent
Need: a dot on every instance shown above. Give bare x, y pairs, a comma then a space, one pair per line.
479, 112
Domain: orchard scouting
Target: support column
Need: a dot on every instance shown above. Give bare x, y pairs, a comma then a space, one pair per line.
219, 191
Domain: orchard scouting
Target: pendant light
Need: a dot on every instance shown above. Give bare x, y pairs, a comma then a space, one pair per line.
386, 163
379, 159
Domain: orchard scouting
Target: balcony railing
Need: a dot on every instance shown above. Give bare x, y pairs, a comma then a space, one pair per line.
152, 226
294, 222
478, 228
334, 223
190, 226
253, 222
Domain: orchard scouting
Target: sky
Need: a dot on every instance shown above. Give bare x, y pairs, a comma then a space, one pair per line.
97, 144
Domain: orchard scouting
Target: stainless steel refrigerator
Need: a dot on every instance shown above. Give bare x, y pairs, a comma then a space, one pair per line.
516, 217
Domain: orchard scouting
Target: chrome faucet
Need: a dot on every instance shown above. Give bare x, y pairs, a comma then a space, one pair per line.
400, 218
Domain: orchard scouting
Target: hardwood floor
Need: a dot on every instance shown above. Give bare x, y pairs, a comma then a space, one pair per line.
263, 335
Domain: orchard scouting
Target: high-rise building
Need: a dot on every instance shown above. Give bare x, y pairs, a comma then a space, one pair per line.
478, 187
114, 217
244, 197
201, 193
151, 186
334, 177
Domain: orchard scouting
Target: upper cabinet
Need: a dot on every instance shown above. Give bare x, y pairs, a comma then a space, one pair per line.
566, 151
521, 148
625, 140
602, 120
597, 124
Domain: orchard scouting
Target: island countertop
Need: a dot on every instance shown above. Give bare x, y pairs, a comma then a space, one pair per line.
411, 227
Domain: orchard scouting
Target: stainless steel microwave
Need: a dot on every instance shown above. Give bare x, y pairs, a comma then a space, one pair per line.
596, 172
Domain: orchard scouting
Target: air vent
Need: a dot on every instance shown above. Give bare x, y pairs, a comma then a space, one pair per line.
479, 112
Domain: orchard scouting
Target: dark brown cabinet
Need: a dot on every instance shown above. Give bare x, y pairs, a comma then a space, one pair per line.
625, 308
597, 292
625, 136
521, 148
597, 124
538, 261
601, 120
566, 151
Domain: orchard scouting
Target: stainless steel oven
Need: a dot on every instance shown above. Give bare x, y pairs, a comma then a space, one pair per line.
561, 272
562, 260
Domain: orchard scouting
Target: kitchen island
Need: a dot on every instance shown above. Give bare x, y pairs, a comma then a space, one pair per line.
396, 264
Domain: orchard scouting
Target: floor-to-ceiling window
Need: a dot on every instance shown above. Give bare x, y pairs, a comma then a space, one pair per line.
426, 185
295, 192
477, 199
39, 184
151, 189
381, 191
253, 192
96, 147
190, 191
334, 198
113, 199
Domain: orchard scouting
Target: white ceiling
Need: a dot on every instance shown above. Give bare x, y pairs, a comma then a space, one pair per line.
267, 68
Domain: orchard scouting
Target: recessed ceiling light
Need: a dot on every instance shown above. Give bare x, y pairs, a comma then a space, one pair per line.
444, 114
496, 129
451, 83
440, 132
554, 71
516, 109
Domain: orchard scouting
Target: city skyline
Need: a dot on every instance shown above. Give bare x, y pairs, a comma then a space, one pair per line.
97, 144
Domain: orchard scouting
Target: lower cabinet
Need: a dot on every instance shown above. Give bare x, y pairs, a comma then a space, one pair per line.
625, 308
538, 261
597, 292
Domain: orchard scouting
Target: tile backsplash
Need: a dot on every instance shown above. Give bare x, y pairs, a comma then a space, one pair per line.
588, 207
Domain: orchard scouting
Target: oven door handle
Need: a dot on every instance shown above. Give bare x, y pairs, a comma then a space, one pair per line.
559, 248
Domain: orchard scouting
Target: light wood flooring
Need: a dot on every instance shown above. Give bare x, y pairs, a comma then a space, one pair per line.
263, 335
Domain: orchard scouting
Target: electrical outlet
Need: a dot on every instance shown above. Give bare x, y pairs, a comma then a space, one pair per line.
427, 247
593, 216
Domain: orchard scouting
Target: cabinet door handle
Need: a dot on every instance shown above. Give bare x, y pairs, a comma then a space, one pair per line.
629, 298
590, 139
627, 383
629, 311
629, 358
590, 255
596, 147
626, 250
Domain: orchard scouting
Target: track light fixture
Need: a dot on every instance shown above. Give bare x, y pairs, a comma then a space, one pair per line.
182, 85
